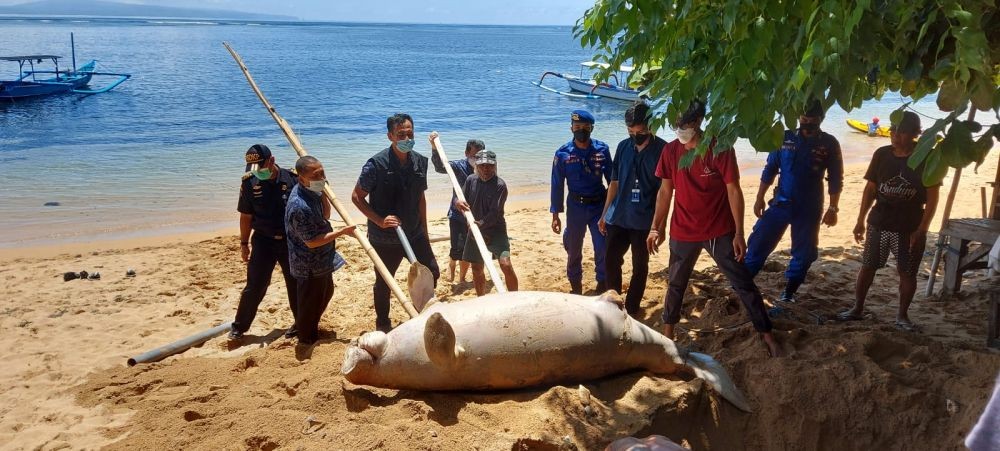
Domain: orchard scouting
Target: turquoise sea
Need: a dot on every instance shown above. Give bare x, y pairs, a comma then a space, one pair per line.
163, 153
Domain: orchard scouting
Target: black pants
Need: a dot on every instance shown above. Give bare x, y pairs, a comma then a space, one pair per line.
266, 251
618, 241
683, 256
314, 295
392, 254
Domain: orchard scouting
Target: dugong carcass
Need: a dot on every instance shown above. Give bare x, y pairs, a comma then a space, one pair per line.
522, 339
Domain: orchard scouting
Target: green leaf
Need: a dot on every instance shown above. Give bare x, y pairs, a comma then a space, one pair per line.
982, 93
950, 96
934, 171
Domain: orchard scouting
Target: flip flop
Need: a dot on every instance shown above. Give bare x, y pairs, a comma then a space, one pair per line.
847, 315
906, 326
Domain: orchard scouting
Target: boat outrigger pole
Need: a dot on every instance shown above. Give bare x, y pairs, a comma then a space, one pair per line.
72, 46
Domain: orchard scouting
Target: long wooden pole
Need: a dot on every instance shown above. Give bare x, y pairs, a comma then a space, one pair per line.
939, 245
293, 139
480, 242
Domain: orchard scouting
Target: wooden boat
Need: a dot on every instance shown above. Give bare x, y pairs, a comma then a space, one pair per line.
585, 87
29, 85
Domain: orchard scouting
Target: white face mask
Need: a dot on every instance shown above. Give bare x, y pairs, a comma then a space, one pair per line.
471, 160
685, 135
316, 186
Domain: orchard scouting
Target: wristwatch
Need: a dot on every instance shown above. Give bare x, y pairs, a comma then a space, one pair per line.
834, 209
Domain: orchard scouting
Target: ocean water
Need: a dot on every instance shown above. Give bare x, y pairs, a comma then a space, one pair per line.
164, 151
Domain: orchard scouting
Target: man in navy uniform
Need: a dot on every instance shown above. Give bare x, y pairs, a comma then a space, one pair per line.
263, 196
584, 165
390, 193
805, 156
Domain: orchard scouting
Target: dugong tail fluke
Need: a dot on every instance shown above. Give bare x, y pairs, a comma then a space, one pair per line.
522, 339
711, 371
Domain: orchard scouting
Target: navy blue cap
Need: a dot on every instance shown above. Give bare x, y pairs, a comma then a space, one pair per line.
257, 155
581, 116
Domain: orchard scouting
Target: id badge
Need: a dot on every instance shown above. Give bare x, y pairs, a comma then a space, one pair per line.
635, 195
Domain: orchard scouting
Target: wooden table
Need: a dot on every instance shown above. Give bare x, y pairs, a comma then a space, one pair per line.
993, 329
958, 255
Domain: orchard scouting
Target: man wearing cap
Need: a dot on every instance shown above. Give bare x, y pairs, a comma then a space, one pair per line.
390, 193
873, 127
628, 210
584, 165
487, 193
805, 156
462, 168
312, 247
263, 196
898, 223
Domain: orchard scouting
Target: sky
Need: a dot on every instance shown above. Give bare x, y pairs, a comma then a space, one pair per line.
500, 12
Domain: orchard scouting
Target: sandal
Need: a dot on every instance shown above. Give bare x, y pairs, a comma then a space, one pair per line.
848, 315
906, 326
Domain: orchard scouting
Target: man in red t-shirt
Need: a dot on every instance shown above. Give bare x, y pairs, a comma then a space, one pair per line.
708, 214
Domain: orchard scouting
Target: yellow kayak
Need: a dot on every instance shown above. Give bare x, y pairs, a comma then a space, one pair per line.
863, 127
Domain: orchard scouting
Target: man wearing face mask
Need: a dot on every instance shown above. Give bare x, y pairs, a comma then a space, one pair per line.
628, 210
462, 168
806, 155
390, 193
263, 196
312, 247
708, 215
583, 164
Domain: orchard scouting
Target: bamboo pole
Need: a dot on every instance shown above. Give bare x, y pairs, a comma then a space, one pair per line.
498, 282
939, 245
293, 139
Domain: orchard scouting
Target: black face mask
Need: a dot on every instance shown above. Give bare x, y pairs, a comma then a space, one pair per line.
640, 138
810, 128
581, 135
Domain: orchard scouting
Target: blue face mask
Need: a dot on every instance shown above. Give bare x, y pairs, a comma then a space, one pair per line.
405, 145
262, 174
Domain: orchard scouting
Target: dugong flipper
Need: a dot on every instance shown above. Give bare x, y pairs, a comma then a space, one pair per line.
522, 339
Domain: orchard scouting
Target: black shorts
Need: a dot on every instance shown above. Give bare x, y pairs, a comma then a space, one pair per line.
879, 243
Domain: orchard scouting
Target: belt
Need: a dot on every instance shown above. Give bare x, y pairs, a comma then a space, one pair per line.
271, 237
587, 200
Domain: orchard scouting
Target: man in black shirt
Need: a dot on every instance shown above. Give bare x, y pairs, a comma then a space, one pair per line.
487, 194
263, 196
394, 181
898, 224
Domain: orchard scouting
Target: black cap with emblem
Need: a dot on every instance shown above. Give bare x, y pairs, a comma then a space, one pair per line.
257, 154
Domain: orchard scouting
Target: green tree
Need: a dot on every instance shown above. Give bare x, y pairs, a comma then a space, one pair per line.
757, 63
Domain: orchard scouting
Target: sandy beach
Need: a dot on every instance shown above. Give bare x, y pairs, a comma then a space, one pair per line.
857, 386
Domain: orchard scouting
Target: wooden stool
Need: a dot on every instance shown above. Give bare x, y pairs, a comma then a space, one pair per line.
993, 330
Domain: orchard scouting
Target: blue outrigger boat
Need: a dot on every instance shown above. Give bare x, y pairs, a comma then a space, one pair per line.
64, 81
585, 87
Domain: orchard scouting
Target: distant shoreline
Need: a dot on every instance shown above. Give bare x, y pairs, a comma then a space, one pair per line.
224, 21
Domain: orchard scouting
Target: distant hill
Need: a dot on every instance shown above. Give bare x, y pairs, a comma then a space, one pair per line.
97, 8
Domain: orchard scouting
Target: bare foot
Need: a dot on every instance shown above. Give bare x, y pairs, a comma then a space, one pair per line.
668, 331
773, 347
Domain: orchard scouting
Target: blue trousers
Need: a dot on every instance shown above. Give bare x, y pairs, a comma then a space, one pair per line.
578, 218
769, 229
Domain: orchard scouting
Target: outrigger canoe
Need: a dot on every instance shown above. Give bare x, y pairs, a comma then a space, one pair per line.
585, 87
860, 126
28, 84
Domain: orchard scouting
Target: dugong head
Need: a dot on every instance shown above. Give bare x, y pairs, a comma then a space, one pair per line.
360, 358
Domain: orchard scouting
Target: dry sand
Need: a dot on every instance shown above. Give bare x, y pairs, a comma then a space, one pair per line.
863, 385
